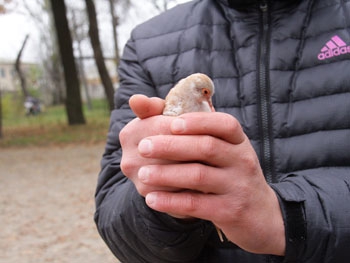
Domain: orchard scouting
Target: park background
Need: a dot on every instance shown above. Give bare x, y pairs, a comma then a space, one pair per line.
49, 156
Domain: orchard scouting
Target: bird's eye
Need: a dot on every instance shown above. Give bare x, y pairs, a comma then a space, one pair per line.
205, 91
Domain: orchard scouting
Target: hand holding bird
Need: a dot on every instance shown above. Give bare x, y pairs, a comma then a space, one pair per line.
191, 94
161, 165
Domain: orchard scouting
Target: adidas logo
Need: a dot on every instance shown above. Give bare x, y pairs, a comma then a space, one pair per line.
333, 48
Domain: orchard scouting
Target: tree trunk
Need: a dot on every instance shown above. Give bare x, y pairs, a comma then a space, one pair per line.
19, 71
73, 96
163, 6
81, 68
115, 23
0, 113
98, 55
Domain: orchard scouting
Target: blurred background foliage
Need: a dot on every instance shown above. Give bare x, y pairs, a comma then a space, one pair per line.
73, 75
50, 126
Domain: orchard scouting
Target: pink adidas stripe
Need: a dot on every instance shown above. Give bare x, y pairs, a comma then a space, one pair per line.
330, 44
335, 42
338, 41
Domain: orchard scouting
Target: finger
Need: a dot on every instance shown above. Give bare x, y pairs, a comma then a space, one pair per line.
216, 124
191, 148
144, 189
130, 137
185, 204
138, 129
191, 176
145, 107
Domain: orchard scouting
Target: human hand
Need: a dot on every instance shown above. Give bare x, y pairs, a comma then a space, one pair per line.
214, 160
149, 122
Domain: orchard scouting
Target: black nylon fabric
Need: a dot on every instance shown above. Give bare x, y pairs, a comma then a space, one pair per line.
305, 144
246, 3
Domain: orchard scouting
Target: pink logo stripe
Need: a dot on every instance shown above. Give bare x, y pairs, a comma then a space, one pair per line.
331, 44
338, 41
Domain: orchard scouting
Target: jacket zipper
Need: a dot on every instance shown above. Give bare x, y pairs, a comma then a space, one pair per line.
264, 93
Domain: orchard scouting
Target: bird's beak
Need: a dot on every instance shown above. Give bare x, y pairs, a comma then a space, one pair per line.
211, 105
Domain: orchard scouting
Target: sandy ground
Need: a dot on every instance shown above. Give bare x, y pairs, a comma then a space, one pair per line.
47, 205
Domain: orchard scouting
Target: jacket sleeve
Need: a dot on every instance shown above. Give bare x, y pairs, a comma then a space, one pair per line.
133, 231
316, 211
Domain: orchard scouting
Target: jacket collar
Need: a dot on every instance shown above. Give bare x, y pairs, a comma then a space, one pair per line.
246, 3
238, 3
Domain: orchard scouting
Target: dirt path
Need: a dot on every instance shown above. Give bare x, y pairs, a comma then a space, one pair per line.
47, 205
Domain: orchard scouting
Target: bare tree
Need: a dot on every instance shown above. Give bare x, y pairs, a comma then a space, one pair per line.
4, 8
162, 5
78, 38
73, 97
19, 71
43, 19
115, 23
1, 135
98, 55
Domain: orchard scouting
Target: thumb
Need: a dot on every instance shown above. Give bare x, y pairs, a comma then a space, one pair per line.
145, 107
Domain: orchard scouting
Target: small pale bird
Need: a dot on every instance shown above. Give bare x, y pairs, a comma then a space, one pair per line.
191, 94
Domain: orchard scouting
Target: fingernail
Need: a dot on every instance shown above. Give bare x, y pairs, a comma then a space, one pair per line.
143, 174
145, 146
178, 125
151, 198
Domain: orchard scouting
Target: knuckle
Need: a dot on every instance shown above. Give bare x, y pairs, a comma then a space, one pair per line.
191, 203
168, 143
199, 176
163, 124
250, 162
127, 166
235, 213
235, 125
130, 170
207, 147
141, 189
238, 212
231, 123
233, 129
123, 135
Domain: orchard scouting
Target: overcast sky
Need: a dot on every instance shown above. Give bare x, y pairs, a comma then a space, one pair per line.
15, 26
13, 29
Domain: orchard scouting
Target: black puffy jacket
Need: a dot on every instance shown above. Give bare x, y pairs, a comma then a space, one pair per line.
282, 68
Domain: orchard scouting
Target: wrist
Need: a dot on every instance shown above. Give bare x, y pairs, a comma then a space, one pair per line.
295, 227
277, 237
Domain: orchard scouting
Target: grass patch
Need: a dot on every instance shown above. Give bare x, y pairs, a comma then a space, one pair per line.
51, 127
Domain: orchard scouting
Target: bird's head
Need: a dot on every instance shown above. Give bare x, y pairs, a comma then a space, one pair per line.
191, 94
202, 87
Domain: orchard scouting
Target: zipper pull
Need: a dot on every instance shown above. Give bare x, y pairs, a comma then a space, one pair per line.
263, 6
